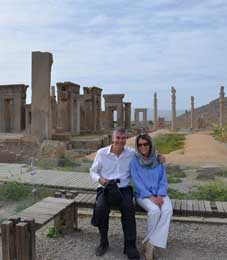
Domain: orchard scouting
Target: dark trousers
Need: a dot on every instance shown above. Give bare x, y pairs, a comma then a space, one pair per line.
127, 209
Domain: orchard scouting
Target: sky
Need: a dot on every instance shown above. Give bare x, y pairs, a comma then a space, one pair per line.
122, 46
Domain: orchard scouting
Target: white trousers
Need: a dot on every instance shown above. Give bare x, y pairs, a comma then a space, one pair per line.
158, 221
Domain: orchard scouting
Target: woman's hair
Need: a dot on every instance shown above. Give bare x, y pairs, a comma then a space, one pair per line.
145, 137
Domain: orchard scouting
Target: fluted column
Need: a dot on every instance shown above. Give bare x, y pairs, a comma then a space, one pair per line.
173, 123
221, 105
192, 112
155, 111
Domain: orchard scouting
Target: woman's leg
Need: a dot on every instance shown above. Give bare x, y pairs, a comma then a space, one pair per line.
160, 235
158, 221
153, 215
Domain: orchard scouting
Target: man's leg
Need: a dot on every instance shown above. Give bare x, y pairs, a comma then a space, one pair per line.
128, 223
102, 210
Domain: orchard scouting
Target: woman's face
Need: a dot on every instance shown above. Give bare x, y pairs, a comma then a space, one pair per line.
143, 147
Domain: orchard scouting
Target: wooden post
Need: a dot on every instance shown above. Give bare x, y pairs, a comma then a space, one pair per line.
22, 241
69, 195
15, 220
58, 194
8, 241
75, 216
32, 239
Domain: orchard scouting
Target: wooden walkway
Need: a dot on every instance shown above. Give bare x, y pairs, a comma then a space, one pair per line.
50, 178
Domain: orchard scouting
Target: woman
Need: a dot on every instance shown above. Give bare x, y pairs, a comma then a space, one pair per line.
150, 182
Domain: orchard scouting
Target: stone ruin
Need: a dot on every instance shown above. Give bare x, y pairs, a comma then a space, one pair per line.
205, 116
64, 112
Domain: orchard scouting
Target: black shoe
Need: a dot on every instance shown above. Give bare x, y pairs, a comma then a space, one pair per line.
101, 249
132, 253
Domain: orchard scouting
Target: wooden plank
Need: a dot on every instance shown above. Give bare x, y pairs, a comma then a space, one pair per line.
173, 202
224, 205
184, 207
220, 210
80, 198
177, 207
58, 200
8, 241
201, 207
195, 205
208, 209
92, 198
189, 207
219, 207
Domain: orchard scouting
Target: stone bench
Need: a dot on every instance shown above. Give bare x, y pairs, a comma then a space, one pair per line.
18, 232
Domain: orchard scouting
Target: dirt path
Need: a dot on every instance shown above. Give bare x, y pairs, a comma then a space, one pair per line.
200, 149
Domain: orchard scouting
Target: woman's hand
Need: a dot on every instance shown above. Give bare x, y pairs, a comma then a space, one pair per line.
160, 200
157, 200
154, 199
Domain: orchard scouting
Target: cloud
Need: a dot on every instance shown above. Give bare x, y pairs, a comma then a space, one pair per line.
131, 47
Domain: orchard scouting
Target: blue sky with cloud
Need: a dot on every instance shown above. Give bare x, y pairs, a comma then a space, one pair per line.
131, 47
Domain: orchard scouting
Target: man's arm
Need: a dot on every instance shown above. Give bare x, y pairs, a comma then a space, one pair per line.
161, 158
95, 170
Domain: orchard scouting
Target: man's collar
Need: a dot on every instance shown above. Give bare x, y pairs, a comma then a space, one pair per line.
110, 147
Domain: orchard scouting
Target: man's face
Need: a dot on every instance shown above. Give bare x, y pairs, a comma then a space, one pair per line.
119, 140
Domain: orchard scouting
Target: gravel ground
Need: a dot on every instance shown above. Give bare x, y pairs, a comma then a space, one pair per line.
186, 241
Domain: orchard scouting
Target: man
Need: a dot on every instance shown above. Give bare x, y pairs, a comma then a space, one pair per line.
112, 162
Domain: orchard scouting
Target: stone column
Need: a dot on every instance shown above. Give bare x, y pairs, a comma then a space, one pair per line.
173, 123
53, 107
145, 118
192, 112
136, 118
155, 111
186, 118
41, 126
127, 115
120, 116
221, 106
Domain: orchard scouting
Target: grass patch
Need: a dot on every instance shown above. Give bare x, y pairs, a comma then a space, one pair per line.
170, 142
216, 191
172, 179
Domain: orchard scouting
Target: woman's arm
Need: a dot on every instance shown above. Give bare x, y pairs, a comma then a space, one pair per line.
138, 183
163, 183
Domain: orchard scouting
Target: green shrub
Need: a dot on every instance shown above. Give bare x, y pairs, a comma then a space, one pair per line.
220, 134
14, 191
53, 232
170, 142
175, 194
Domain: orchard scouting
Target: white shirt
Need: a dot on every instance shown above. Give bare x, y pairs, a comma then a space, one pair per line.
109, 166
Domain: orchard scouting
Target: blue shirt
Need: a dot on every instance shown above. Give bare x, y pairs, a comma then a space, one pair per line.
148, 181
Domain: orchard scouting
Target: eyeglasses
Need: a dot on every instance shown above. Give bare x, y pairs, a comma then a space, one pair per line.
143, 144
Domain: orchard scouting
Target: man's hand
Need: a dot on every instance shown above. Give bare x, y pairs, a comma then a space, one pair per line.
161, 158
103, 181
